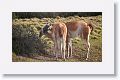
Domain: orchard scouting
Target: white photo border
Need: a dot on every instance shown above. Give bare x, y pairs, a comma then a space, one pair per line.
104, 67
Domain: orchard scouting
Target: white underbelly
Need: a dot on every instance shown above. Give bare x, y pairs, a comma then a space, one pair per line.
74, 34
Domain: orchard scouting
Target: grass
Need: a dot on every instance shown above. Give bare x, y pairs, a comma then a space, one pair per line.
79, 51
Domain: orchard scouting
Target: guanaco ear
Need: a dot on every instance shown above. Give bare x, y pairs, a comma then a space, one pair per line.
48, 23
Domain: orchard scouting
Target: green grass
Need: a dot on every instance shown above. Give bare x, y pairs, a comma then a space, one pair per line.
79, 51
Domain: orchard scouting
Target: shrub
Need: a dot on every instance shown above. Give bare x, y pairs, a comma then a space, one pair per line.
26, 41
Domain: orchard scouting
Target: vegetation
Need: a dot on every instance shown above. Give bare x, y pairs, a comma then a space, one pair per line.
51, 14
27, 46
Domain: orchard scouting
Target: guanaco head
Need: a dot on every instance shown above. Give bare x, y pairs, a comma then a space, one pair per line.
45, 30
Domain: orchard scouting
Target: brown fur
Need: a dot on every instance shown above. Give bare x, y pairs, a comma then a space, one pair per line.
58, 33
91, 26
73, 26
59, 29
83, 30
